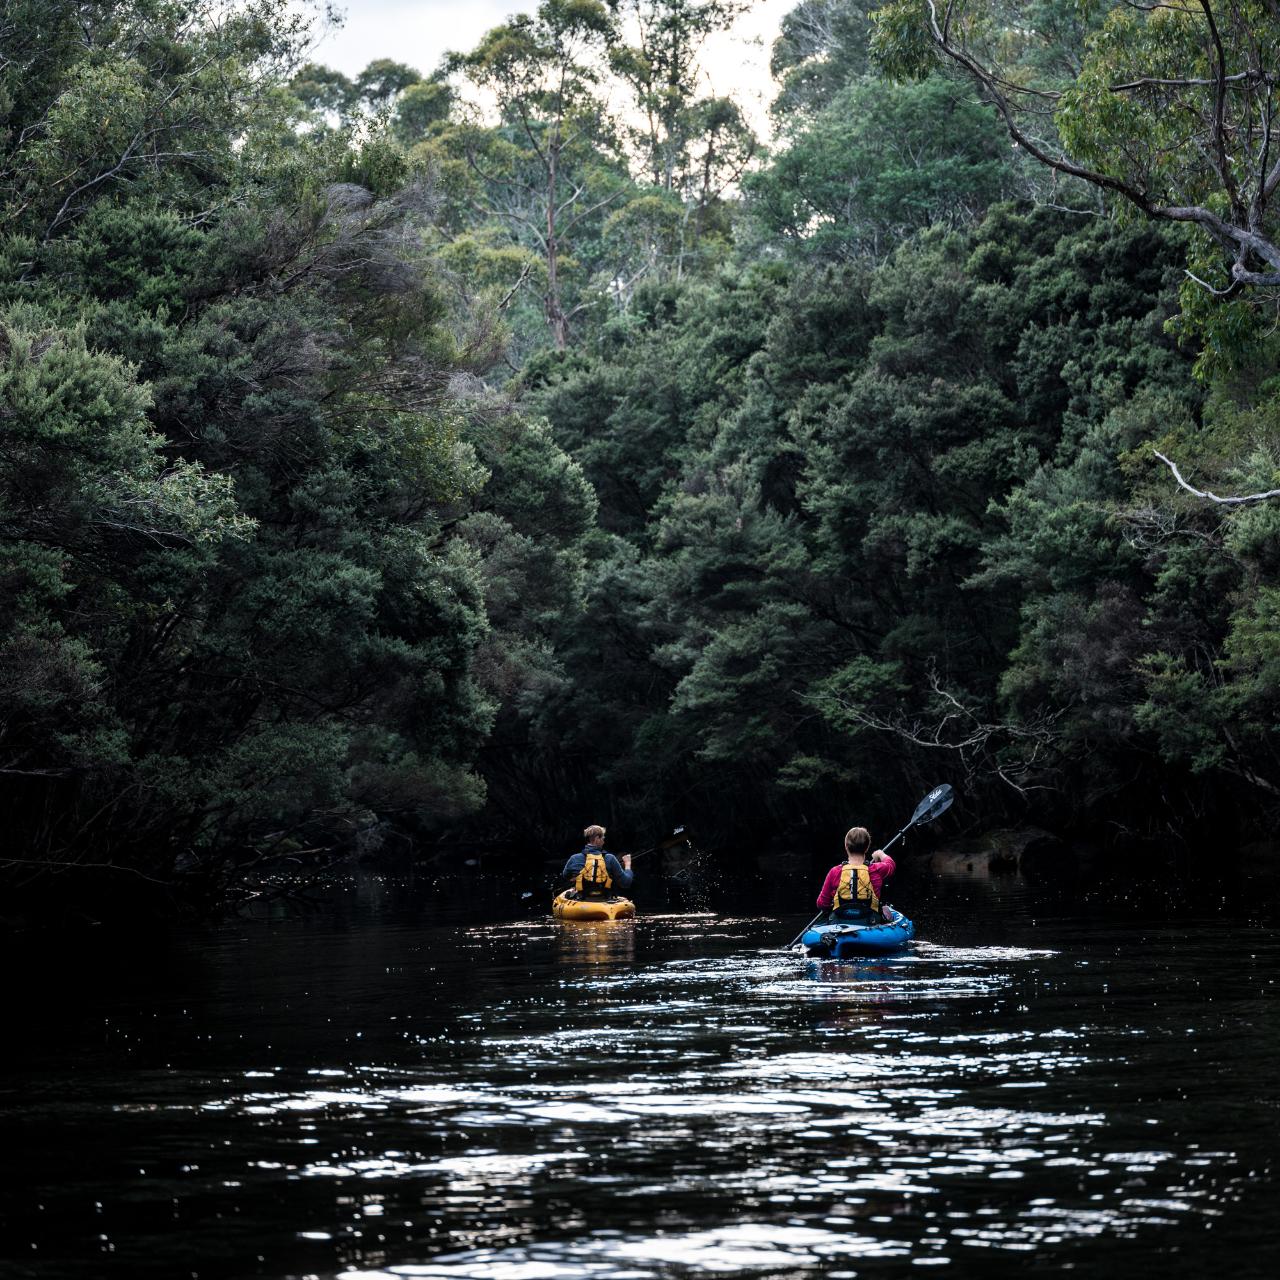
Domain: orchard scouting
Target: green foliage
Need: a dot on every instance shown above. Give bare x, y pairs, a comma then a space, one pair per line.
501, 184
559, 198
385, 92
256, 587
422, 105
1166, 108
822, 46
857, 691
687, 145
907, 498
879, 162
816, 480
546, 167
323, 90
662, 371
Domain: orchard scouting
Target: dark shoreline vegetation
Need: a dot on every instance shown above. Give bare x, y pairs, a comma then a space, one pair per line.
377, 480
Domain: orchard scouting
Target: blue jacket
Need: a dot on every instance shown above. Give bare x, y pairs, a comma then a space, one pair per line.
617, 873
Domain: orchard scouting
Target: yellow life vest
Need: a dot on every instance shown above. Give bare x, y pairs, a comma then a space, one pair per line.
856, 888
594, 880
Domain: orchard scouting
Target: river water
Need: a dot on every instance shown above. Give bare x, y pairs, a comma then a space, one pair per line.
364, 1093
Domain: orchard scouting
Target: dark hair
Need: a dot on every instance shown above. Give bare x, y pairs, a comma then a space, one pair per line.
857, 840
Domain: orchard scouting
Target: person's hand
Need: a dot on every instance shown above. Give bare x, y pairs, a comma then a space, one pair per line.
626, 862
878, 856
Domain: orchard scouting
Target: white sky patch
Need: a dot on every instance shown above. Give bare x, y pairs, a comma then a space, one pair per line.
421, 32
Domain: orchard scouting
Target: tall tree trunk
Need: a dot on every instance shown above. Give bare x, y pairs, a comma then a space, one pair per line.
556, 319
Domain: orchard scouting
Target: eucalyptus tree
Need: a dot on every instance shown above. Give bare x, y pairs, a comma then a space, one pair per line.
543, 71
385, 89
1169, 107
664, 71
692, 144
821, 46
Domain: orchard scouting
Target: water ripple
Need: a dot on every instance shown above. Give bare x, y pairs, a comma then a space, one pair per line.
743, 1247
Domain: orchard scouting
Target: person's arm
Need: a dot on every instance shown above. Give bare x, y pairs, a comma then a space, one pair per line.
882, 867
620, 874
571, 868
827, 897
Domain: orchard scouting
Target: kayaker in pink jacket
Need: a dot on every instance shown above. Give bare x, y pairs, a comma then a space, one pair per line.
853, 889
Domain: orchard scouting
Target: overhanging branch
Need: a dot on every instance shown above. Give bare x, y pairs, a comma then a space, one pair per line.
1256, 253
1213, 497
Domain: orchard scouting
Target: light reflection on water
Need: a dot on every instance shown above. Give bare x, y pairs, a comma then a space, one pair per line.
743, 1248
667, 1098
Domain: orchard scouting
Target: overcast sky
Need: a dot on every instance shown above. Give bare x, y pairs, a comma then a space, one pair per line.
420, 31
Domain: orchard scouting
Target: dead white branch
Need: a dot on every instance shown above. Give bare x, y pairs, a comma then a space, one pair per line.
1213, 497
956, 728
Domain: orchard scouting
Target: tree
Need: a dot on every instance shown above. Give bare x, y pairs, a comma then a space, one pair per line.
542, 70
420, 106
663, 71
247, 569
1172, 106
382, 81
691, 147
879, 162
158, 109
883, 519
323, 91
384, 89
821, 46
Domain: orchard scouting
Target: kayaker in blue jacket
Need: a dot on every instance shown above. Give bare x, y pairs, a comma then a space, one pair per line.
594, 873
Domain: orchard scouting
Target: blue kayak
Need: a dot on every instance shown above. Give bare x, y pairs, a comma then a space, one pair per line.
842, 940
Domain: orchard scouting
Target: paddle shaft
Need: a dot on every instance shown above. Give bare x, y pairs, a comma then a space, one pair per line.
669, 843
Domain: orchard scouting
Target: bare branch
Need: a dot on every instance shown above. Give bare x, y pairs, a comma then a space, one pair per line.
587, 212
1213, 497
1219, 115
515, 288
80, 866
1191, 82
1225, 294
954, 727
1242, 233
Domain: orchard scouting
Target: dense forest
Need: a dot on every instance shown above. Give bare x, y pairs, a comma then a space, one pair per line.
463, 454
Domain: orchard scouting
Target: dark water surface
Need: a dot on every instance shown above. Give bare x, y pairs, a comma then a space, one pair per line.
360, 1094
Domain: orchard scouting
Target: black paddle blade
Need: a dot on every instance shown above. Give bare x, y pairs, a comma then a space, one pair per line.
936, 803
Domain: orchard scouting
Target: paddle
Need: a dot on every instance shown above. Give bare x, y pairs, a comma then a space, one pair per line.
936, 803
676, 837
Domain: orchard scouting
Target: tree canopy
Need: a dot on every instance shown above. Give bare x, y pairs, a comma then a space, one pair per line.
1169, 107
397, 455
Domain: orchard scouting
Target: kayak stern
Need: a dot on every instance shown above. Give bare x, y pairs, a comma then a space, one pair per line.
843, 941
567, 908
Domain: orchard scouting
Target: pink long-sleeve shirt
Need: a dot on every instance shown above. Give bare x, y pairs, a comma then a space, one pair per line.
878, 871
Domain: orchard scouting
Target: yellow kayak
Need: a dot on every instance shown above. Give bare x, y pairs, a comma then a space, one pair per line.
567, 908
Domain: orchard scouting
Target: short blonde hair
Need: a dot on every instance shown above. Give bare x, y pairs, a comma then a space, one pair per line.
857, 840
592, 832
